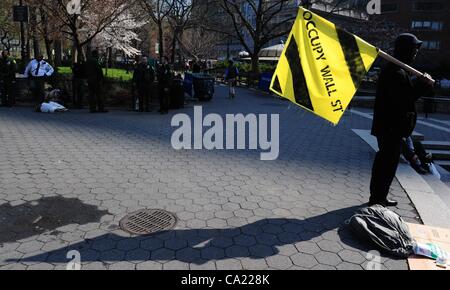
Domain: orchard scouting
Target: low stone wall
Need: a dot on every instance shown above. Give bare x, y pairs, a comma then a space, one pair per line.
116, 93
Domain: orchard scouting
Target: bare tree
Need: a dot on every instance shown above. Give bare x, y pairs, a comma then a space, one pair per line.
199, 43
158, 11
180, 19
258, 23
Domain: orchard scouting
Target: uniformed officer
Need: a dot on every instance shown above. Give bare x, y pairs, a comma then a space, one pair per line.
38, 71
95, 78
165, 77
7, 79
143, 77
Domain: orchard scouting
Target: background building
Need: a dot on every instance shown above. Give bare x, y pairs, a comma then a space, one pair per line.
430, 21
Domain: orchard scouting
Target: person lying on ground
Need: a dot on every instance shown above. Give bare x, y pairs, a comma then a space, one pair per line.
49, 106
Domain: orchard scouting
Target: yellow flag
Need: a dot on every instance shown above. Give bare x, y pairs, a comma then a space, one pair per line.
322, 66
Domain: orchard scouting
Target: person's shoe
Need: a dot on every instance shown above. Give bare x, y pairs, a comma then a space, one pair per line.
419, 169
390, 203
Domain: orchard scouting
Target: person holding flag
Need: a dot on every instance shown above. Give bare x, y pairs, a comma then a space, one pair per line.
321, 69
395, 115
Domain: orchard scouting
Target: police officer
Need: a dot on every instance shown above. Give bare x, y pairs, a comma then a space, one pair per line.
38, 71
78, 70
395, 115
165, 77
95, 78
7, 78
143, 77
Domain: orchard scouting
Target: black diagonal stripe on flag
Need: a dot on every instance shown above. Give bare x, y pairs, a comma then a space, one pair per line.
276, 86
301, 92
352, 55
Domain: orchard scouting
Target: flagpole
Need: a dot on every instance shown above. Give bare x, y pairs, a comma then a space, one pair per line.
403, 65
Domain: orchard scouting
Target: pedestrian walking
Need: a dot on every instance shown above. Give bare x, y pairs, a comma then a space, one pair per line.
143, 78
95, 79
7, 79
38, 71
165, 77
231, 75
395, 115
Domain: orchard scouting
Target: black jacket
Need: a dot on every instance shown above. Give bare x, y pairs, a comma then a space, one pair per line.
93, 70
165, 76
7, 69
395, 106
143, 75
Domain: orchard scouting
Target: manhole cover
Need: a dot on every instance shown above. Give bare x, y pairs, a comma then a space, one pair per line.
148, 221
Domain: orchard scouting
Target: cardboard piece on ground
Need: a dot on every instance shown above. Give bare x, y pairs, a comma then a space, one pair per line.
424, 234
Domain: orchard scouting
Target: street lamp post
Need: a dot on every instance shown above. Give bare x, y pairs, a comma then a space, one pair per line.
24, 53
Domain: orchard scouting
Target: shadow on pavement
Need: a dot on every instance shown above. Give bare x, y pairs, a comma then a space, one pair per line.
44, 215
198, 246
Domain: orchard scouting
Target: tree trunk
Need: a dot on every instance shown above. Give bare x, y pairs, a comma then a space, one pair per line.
174, 46
48, 49
28, 46
33, 22
48, 42
255, 66
78, 54
110, 57
58, 52
161, 41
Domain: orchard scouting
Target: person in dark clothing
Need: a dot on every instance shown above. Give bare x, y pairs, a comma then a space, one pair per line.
231, 75
78, 70
415, 153
395, 115
95, 78
165, 77
143, 78
7, 78
196, 68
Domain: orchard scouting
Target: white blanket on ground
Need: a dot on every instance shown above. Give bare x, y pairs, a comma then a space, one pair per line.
51, 107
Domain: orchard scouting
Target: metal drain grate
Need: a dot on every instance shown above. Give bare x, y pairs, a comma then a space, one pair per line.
148, 221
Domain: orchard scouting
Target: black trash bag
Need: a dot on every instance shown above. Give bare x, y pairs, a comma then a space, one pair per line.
385, 229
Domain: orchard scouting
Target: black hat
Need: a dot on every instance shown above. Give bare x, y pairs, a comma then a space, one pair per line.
410, 39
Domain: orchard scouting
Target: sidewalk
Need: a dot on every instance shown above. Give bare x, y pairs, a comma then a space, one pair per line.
74, 176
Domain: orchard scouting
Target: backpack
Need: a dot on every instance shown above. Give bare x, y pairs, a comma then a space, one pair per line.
232, 73
385, 229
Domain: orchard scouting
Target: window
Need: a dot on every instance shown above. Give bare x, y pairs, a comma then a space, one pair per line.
428, 6
431, 45
389, 7
427, 25
437, 26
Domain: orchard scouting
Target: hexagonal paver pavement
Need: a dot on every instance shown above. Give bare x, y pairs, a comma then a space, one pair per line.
67, 180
